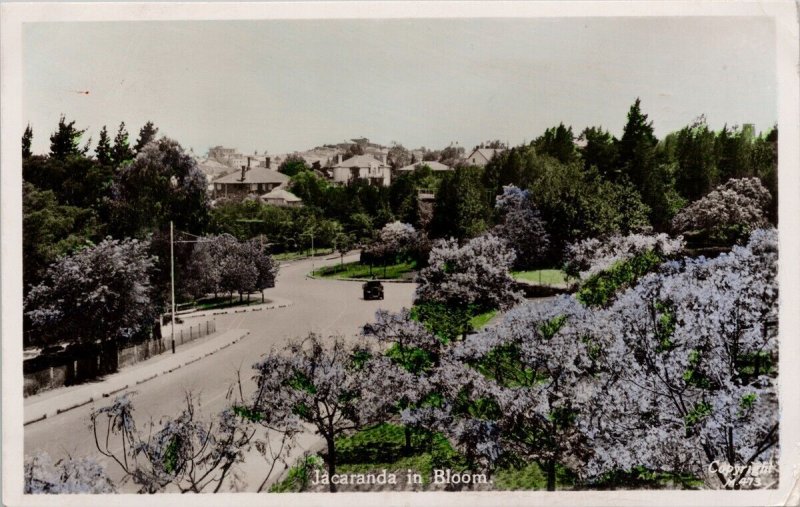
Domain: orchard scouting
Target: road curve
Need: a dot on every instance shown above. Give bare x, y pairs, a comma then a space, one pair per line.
327, 307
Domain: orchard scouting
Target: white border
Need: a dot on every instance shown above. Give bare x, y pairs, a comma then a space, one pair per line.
13, 15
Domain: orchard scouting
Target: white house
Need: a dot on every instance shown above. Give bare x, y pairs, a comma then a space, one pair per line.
481, 156
364, 167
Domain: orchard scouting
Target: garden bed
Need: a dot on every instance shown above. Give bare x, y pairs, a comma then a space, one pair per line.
356, 270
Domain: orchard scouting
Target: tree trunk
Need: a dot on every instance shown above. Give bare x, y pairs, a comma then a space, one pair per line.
331, 464
407, 448
551, 474
262, 295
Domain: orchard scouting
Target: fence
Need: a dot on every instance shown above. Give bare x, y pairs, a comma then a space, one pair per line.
80, 364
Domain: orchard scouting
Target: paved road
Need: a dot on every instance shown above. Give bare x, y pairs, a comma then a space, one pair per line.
328, 307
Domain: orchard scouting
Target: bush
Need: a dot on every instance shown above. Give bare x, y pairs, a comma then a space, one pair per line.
600, 288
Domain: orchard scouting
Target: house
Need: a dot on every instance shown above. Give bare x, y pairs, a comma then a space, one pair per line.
434, 165
364, 167
281, 197
250, 181
481, 156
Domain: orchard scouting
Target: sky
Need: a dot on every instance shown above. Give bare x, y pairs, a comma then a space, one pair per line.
291, 85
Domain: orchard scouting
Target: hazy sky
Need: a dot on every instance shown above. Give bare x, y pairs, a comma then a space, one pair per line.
292, 85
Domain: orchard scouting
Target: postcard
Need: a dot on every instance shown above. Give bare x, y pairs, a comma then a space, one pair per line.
407, 253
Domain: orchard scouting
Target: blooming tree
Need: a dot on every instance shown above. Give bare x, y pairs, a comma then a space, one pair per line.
334, 388
521, 226
520, 385
412, 346
100, 293
731, 210
65, 476
677, 373
187, 452
397, 235
591, 256
691, 367
475, 274
224, 264
395, 239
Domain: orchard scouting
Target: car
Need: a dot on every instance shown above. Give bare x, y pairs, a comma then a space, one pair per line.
373, 289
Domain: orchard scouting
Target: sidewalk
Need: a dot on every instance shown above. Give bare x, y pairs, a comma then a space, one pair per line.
51, 403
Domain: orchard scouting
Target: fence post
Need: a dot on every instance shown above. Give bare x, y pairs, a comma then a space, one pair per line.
190, 333
181, 336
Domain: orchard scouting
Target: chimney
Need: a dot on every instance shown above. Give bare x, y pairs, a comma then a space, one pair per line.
243, 170
338, 158
248, 163
383, 158
267, 162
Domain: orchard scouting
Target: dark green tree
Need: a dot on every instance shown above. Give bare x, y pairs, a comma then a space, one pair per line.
764, 165
146, 134
653, 178
50, 230
103, 150
65, 141
461, 209
292, 165
695, 154
121, 152
310, 188
558, 142
162, 184
637, 145
399, 156
27, 137
600, 151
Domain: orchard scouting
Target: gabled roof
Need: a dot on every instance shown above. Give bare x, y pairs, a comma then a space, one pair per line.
254, 175
487, 153
281, 194
434, 165
361, 161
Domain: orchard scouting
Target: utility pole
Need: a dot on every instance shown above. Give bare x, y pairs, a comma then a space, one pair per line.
172, 277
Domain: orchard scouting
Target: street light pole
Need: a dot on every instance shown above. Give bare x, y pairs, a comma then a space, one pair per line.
172, 277
312, 250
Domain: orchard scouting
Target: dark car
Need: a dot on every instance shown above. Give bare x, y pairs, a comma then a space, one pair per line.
373, 290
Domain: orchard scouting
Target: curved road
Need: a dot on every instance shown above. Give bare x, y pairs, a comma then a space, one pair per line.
327, 307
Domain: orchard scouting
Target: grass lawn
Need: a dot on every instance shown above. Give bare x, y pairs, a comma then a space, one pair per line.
358, 270
482, 319
382, 447
303, 254
543, 276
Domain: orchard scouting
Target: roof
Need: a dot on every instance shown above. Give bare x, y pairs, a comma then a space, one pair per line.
434, 165
255, 175
361, 161
487, 153
281, 194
